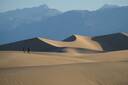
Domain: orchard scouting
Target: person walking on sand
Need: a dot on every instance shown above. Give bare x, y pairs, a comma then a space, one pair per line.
23, 49
28, 50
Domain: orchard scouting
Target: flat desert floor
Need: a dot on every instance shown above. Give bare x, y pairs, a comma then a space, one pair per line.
36, 68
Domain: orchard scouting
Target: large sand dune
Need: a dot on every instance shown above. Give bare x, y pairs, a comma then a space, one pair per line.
112, 42
47, 45
76, 41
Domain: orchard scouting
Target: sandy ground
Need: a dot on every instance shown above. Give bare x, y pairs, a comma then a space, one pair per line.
18, 68
20, 59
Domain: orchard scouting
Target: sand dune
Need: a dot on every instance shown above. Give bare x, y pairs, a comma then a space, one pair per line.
47, 45
77, 43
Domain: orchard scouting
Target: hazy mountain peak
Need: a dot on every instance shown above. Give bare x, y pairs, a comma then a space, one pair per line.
44, 6
109, 6
77, 11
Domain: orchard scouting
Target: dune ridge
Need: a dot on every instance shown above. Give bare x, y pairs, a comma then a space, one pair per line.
75, 41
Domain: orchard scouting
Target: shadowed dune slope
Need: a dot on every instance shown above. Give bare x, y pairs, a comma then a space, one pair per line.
113, 42
34, 44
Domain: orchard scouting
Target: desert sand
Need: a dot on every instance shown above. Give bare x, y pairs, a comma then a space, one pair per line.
77, 60
18, 68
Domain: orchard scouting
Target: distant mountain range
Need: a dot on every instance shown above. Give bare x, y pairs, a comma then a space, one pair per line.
45, 22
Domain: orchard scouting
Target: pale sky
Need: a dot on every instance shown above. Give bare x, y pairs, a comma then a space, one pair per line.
62, 5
